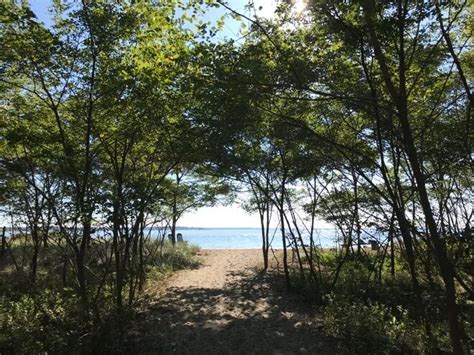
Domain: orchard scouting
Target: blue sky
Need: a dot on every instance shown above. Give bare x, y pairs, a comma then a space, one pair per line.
264, 8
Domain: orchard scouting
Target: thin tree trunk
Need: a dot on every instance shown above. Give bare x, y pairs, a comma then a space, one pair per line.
283, 235
391, 235
34, 258
4, 240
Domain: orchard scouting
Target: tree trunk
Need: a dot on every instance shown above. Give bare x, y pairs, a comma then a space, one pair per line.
391, 235
4, 240
283, 236
173, 224
356, 210
264, 241
34, 258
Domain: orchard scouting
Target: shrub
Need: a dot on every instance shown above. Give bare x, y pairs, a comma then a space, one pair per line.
50, 319
45, 321
177, 257
372, 327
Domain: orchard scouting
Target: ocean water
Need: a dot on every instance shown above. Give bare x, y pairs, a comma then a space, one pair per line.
246, 238
234, 238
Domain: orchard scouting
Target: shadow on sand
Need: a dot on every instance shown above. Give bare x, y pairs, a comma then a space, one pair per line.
252, 314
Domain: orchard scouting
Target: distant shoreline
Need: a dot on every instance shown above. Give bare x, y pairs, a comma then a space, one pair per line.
22, 228
326, 228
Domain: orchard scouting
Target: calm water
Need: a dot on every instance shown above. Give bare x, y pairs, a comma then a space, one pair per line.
243, 238
233, 238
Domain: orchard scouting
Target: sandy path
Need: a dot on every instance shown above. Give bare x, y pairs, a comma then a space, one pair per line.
218, 268
226, 306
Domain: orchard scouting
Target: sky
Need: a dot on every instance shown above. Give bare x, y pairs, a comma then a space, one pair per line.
219, 216
264, 8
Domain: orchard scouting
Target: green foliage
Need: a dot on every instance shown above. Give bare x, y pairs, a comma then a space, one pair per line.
371, 315
176, 257
369, 327
44, 321
51, 319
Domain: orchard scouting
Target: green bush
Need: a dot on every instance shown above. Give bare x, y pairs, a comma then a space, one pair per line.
177, 257
50, 319
372, 327
45, 321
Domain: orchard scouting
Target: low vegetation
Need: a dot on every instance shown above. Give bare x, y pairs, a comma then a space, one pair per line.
370, 310
48, 316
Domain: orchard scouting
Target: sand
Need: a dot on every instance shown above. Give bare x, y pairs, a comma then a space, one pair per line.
218, 268
227, 305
